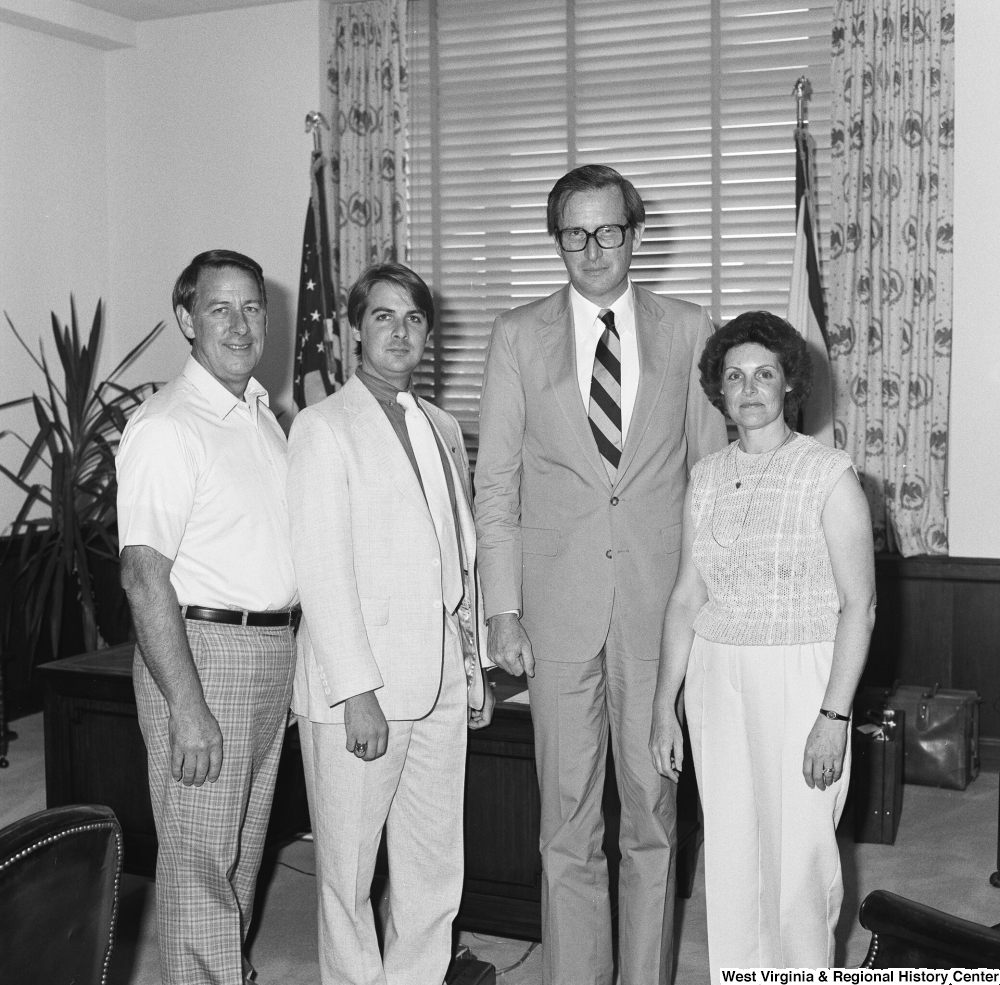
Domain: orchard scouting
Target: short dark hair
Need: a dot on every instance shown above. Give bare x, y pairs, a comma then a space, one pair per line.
186, 288
389, 273
590, 177
774, 334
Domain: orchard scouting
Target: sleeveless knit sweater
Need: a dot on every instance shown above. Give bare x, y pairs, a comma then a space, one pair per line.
760, 548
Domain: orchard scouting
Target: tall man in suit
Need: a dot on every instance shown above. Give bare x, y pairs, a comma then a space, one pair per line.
388, 672
591, 419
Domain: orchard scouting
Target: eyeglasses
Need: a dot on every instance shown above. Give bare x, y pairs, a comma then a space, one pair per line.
575, 239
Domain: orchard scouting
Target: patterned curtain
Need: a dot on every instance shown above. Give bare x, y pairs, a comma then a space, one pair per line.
891, 252
366, 102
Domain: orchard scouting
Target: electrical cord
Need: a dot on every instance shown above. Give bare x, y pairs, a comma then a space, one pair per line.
294, 869
491, 942
520, 961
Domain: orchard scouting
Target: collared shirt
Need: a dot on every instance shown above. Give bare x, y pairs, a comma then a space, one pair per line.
201, 480
385, 394
588, 329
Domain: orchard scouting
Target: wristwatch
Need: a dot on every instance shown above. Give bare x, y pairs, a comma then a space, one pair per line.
833, 716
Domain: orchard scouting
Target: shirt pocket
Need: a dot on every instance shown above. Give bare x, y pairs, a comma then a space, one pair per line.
540, 540
671, 538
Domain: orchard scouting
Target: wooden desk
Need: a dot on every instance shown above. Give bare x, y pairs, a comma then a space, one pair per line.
502, 864
94, 753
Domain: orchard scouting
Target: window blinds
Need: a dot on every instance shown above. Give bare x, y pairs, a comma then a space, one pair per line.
689, 99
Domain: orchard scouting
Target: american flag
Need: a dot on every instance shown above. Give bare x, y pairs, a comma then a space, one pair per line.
318, 364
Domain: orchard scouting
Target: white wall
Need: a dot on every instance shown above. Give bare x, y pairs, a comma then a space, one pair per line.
974, 453
207, 149
118, 166
53, 209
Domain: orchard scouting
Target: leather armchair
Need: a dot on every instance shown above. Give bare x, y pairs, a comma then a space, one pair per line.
60, 872
910, 935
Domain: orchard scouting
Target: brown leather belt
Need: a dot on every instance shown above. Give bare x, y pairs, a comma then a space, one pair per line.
240, 617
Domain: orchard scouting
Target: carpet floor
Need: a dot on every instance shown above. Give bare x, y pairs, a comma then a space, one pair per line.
944, 853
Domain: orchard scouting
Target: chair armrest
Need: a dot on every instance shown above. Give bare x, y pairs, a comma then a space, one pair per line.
906, 934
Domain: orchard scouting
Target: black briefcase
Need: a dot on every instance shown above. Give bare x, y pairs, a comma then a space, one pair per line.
470, 971
877, 777
942, 731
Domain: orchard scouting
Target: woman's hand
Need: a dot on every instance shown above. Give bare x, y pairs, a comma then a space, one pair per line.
666, 743
825, 749
848, 531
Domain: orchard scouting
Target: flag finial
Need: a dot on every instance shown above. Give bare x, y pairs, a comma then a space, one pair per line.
802, 91
315, 123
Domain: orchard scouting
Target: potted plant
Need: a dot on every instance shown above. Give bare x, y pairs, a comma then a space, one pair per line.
79, 426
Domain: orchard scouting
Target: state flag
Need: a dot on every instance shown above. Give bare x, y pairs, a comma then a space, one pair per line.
806, 305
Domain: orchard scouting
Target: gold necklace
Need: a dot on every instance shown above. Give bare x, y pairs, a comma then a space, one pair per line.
739, 482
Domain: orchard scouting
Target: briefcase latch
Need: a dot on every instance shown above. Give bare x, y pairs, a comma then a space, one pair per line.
923, 710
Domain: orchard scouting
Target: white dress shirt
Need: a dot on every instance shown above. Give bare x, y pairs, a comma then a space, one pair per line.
588, 329
201, 480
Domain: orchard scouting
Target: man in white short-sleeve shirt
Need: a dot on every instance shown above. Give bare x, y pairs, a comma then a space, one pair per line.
206, 564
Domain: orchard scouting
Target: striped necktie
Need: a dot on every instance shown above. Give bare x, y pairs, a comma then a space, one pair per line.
605, 410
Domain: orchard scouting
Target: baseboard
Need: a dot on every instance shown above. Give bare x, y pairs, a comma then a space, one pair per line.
989, 755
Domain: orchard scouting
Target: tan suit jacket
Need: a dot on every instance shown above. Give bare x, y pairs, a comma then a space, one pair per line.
557, 540
367, 559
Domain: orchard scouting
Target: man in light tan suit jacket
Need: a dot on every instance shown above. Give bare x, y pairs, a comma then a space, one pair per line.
388, 672
590, 423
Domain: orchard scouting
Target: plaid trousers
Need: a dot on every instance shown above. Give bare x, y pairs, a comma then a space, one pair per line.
211, 837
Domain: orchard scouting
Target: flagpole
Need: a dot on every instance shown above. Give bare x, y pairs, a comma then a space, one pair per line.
806, 306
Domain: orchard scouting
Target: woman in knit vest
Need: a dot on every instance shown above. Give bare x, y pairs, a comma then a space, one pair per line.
767, 629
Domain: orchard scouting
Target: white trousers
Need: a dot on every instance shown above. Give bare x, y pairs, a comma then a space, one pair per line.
416, 791
773, 883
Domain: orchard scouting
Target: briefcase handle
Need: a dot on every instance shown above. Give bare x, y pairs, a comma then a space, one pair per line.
927, 694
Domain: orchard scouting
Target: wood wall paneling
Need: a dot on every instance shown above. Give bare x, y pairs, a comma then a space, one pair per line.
977, 640
938, 622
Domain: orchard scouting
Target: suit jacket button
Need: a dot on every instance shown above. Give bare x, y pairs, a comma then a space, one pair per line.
614, 500
607, 554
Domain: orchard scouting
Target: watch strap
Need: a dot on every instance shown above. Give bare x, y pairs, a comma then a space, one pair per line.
833, 716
